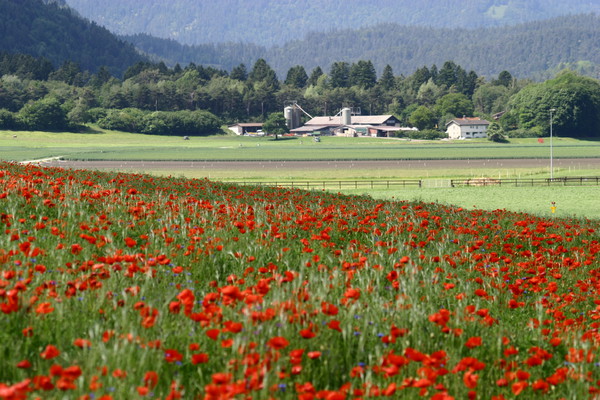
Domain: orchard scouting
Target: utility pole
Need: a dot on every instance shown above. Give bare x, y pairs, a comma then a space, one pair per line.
551, 147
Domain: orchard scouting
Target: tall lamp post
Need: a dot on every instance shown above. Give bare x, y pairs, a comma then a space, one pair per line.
551, 149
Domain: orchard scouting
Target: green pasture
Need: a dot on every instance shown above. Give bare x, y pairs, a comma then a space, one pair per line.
110, 145
279, 172
207, 151
578, 202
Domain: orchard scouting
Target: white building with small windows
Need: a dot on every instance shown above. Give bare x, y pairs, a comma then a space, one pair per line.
467, 128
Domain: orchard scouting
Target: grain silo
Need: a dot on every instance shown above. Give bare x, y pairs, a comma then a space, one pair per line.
346, 116
292, 117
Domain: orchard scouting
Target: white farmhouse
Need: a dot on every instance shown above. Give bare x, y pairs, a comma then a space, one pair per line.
467, 128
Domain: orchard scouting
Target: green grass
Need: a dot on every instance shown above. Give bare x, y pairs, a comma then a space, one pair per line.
110, 145
143, 272
580, 202
265, 172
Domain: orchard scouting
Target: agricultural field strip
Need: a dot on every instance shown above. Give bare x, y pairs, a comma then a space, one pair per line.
116, 146
191, 288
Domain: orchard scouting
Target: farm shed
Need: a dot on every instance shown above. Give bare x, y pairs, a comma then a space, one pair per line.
246, 127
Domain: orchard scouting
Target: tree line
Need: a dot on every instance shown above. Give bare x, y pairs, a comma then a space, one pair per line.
195, 100
273, 22
536, 50
56, 33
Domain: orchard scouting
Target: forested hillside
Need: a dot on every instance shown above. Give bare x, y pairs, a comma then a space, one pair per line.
532, 50
270, 22
57, 34
196, 100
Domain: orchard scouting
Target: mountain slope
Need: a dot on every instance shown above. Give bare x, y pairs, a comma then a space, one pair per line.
270, 22
56, 33
531, 50
527, 50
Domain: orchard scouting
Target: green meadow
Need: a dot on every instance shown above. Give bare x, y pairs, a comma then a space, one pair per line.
582, 202
577, 202
109, 145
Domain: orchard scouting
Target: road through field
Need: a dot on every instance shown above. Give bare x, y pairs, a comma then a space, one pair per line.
579, 163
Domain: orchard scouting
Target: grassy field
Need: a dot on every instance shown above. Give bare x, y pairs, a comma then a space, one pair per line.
165, 288
579, 202
109, 145
434, 177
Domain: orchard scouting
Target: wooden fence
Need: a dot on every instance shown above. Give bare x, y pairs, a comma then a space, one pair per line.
563, 181
345, 184
400, 183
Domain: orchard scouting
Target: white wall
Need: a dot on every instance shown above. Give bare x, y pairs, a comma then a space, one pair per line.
455, 131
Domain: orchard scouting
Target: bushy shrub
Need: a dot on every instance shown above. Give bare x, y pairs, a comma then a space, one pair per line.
97, 113
525, 133
159, 122
8, 120
426, 134
44, 115
127, 120
497, 138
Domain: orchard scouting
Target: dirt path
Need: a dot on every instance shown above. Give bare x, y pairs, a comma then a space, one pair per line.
580, 163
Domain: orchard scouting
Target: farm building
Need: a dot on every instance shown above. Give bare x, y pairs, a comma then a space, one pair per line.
387, 131
349, 120
245, 128
348, 124
467, 128
312, 130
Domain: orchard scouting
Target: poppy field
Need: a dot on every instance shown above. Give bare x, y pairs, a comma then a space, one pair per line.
128, 286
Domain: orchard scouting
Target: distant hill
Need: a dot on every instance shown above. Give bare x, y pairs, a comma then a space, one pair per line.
272, 22
534, 50
55, 32
222, 55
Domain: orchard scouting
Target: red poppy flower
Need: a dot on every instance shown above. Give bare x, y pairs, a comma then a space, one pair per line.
335, 325
50, 352
473, 342
307, 333
199, 358
213, 333
329, 309
278, 343
83, 343
221, 378
44, 308
172, 355
470, 379
518, 387
151, 379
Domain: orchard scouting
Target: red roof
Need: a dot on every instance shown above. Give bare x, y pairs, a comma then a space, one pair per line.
468, 121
